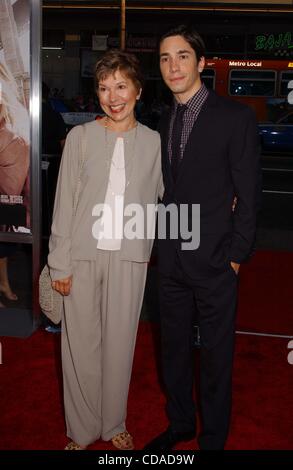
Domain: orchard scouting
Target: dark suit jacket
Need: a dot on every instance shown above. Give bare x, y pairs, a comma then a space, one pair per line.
221, 160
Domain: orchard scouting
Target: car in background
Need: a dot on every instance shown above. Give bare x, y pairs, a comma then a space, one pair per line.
277, 136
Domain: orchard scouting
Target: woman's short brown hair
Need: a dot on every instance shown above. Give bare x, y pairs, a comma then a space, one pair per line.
125, 62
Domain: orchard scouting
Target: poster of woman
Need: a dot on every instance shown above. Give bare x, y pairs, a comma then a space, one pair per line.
14, 116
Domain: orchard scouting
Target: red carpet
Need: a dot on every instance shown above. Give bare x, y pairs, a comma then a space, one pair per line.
31, 408
265, 294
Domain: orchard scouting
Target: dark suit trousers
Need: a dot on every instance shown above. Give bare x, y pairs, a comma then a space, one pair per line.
215, 299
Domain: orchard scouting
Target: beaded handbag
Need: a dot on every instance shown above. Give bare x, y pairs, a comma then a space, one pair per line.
51, 301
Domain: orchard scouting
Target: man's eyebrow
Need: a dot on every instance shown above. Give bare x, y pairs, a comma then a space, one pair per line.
181, 51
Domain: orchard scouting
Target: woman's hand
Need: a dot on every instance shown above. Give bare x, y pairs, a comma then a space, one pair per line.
63, 286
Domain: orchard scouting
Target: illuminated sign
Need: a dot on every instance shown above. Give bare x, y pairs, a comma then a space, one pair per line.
245, 63
135, 42
270, 42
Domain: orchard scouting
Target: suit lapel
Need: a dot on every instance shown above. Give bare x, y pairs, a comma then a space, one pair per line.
164, 132
197, 134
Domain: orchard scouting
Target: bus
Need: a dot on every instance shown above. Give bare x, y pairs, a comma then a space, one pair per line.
265, 85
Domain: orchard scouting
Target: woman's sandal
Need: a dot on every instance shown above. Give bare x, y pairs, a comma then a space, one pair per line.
73, 446
123, 441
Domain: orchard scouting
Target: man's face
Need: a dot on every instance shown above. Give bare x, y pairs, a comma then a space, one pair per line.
179, 67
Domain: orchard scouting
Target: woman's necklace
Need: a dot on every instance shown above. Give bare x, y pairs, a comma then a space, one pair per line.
110, 159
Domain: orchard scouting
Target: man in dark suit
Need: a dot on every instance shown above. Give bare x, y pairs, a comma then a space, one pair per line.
210, 154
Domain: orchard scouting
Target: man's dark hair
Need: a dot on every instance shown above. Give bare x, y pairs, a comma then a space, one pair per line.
190, 35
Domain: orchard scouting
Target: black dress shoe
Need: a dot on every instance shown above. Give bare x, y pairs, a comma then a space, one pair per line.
168, 439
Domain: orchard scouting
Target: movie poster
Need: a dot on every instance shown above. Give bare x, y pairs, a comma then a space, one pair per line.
15, 152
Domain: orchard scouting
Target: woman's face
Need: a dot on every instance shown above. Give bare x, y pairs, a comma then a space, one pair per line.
118, 94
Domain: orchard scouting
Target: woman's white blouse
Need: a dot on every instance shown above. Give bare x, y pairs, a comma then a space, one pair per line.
111, 231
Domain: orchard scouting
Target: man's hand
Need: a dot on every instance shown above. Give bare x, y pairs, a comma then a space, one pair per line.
235, 266
63, 286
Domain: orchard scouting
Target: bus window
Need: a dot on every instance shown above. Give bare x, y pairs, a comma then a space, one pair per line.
285, 79
252, 83
208, 78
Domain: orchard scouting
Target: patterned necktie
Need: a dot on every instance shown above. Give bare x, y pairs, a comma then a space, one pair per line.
176, 140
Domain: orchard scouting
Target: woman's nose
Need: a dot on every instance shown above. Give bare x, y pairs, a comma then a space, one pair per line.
112, 95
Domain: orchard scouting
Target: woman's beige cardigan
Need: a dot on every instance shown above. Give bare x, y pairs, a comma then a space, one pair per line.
71, 235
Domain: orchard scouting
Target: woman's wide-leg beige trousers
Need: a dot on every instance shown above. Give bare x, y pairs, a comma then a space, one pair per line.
98, 339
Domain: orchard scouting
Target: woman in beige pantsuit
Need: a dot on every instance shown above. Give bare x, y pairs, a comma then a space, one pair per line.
96, 260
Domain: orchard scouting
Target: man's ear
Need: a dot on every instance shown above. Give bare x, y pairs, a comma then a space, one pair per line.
201, 64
